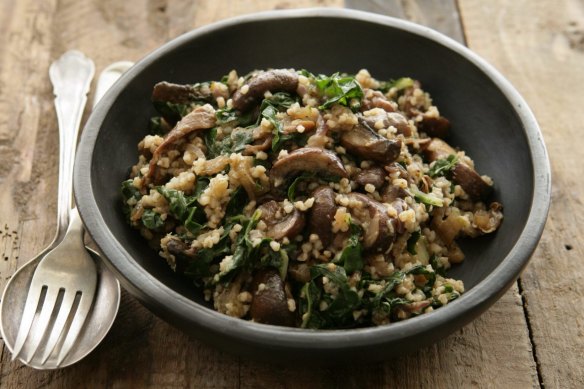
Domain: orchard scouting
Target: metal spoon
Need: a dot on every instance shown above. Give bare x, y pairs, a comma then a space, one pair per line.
107, 298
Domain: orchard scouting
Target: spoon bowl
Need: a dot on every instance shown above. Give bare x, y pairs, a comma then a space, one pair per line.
98, 323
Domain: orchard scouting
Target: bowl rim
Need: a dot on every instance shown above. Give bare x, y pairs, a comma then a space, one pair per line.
155, 294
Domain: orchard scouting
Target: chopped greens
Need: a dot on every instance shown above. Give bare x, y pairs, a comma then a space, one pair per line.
231, 143
443, 166
152, 220
399, 84
351, 256
172, 111
243, 250
338, 89
427, 198
412, 241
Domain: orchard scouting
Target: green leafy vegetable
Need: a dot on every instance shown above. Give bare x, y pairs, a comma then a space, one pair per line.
282, 100
443, 166
152, 220
412, 242
337, 89
436, 265
234, 117
400, 84
298, 180
184, 208
243, 249
198, 269
158, 126
129, 191
172, 111
231, 143
428, 274
351, 257
339, 309
427, 198
269, 113
237, 202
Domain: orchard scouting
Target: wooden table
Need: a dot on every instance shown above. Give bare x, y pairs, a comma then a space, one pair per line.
532, 337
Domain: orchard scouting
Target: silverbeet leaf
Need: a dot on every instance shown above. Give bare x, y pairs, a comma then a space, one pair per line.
338, 89
443, 166
152, 220
351, 256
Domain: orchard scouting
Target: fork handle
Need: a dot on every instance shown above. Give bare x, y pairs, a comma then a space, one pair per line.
71, 77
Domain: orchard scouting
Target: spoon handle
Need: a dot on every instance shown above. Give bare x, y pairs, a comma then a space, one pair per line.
71, 77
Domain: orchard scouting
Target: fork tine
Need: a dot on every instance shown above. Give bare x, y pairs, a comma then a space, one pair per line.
59, 326
76, 325
30, 308
43, 321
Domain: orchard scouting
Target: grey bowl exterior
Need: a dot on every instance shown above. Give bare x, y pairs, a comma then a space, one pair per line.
490, 121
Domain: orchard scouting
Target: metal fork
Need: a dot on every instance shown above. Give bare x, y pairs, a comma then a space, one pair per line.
64, 283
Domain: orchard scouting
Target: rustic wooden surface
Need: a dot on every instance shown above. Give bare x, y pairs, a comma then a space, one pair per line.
532, 337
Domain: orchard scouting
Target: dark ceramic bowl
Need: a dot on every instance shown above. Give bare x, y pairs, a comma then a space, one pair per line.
490, 121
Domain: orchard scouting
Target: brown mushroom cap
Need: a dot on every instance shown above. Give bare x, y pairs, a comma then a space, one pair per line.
462, 174
435, 126
322, 214
287, 225
472, 183
181, 94
368, 145
311, 159
275, 80
437, 149
374, 176
378, 236
270, 303
394, 119
183, 253
200, 118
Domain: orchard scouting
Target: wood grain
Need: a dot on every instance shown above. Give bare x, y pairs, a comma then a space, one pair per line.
143, 351
441, 15
541, 49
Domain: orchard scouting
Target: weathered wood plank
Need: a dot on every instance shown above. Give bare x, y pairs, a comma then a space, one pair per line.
540, 47
441, 15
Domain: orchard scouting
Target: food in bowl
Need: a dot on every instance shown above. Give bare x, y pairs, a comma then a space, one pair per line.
308, 200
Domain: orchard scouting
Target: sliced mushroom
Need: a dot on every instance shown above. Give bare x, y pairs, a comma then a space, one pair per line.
472, 183
376, 99
270, 302
435, 126
181, 94
368, 145
462, 174
310, 159
374, 176
378, 235
388, 119
276, 80
322, 214
182, 252
299, 271
392, 193
200, 118
280, 224
437, 149
396, 170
